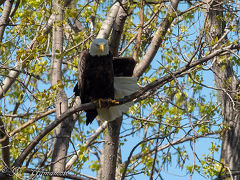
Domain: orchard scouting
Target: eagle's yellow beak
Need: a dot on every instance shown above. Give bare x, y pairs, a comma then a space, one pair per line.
102, 47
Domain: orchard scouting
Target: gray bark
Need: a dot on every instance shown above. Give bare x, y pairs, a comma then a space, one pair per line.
107, 24
63, 130
111, 145
3, 22
5, 143
118, 29
5, 17
5, 148
227, 81
110, 149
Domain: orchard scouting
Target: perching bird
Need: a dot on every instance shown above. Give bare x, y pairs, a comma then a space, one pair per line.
95, 75
96, 71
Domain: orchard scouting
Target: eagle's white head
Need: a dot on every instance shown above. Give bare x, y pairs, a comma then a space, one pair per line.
99, 47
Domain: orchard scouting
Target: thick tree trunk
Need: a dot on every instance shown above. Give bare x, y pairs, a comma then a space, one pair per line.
5, 17
63, 131
5, 149
3, 22
227, 81
107, 24
110, 148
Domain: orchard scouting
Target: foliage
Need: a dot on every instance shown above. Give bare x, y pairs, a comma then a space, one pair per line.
169, 122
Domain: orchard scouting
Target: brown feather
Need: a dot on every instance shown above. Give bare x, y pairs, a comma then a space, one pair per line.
123, 66
95, 80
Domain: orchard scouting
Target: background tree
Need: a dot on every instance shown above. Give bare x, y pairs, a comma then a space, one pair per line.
227, 83
187, 69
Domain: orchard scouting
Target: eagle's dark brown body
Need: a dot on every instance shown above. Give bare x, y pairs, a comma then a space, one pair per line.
95, 80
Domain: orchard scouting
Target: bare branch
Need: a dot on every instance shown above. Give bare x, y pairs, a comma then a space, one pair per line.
138, 42
15, 8
31, 121
135, 36
107, 24
157, 40
117, 29
160, 148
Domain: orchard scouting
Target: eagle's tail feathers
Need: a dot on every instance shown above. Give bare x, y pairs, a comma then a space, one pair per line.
91, 114
76, 90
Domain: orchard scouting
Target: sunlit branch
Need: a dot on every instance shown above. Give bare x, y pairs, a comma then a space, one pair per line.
87, 143
31, 121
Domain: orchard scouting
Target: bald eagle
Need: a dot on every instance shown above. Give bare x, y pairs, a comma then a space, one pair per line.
95, 75
96, 71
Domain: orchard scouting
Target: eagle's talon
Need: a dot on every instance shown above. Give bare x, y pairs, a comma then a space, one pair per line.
113, 101
99, 102
105, 102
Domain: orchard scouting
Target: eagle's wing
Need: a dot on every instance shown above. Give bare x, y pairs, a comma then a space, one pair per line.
124, 85
81, 74
123, 66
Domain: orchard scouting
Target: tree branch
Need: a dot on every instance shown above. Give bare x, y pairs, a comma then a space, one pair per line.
107, 24
118, 29
15, 8
140, 30
157, 40
31, 121
160, 148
